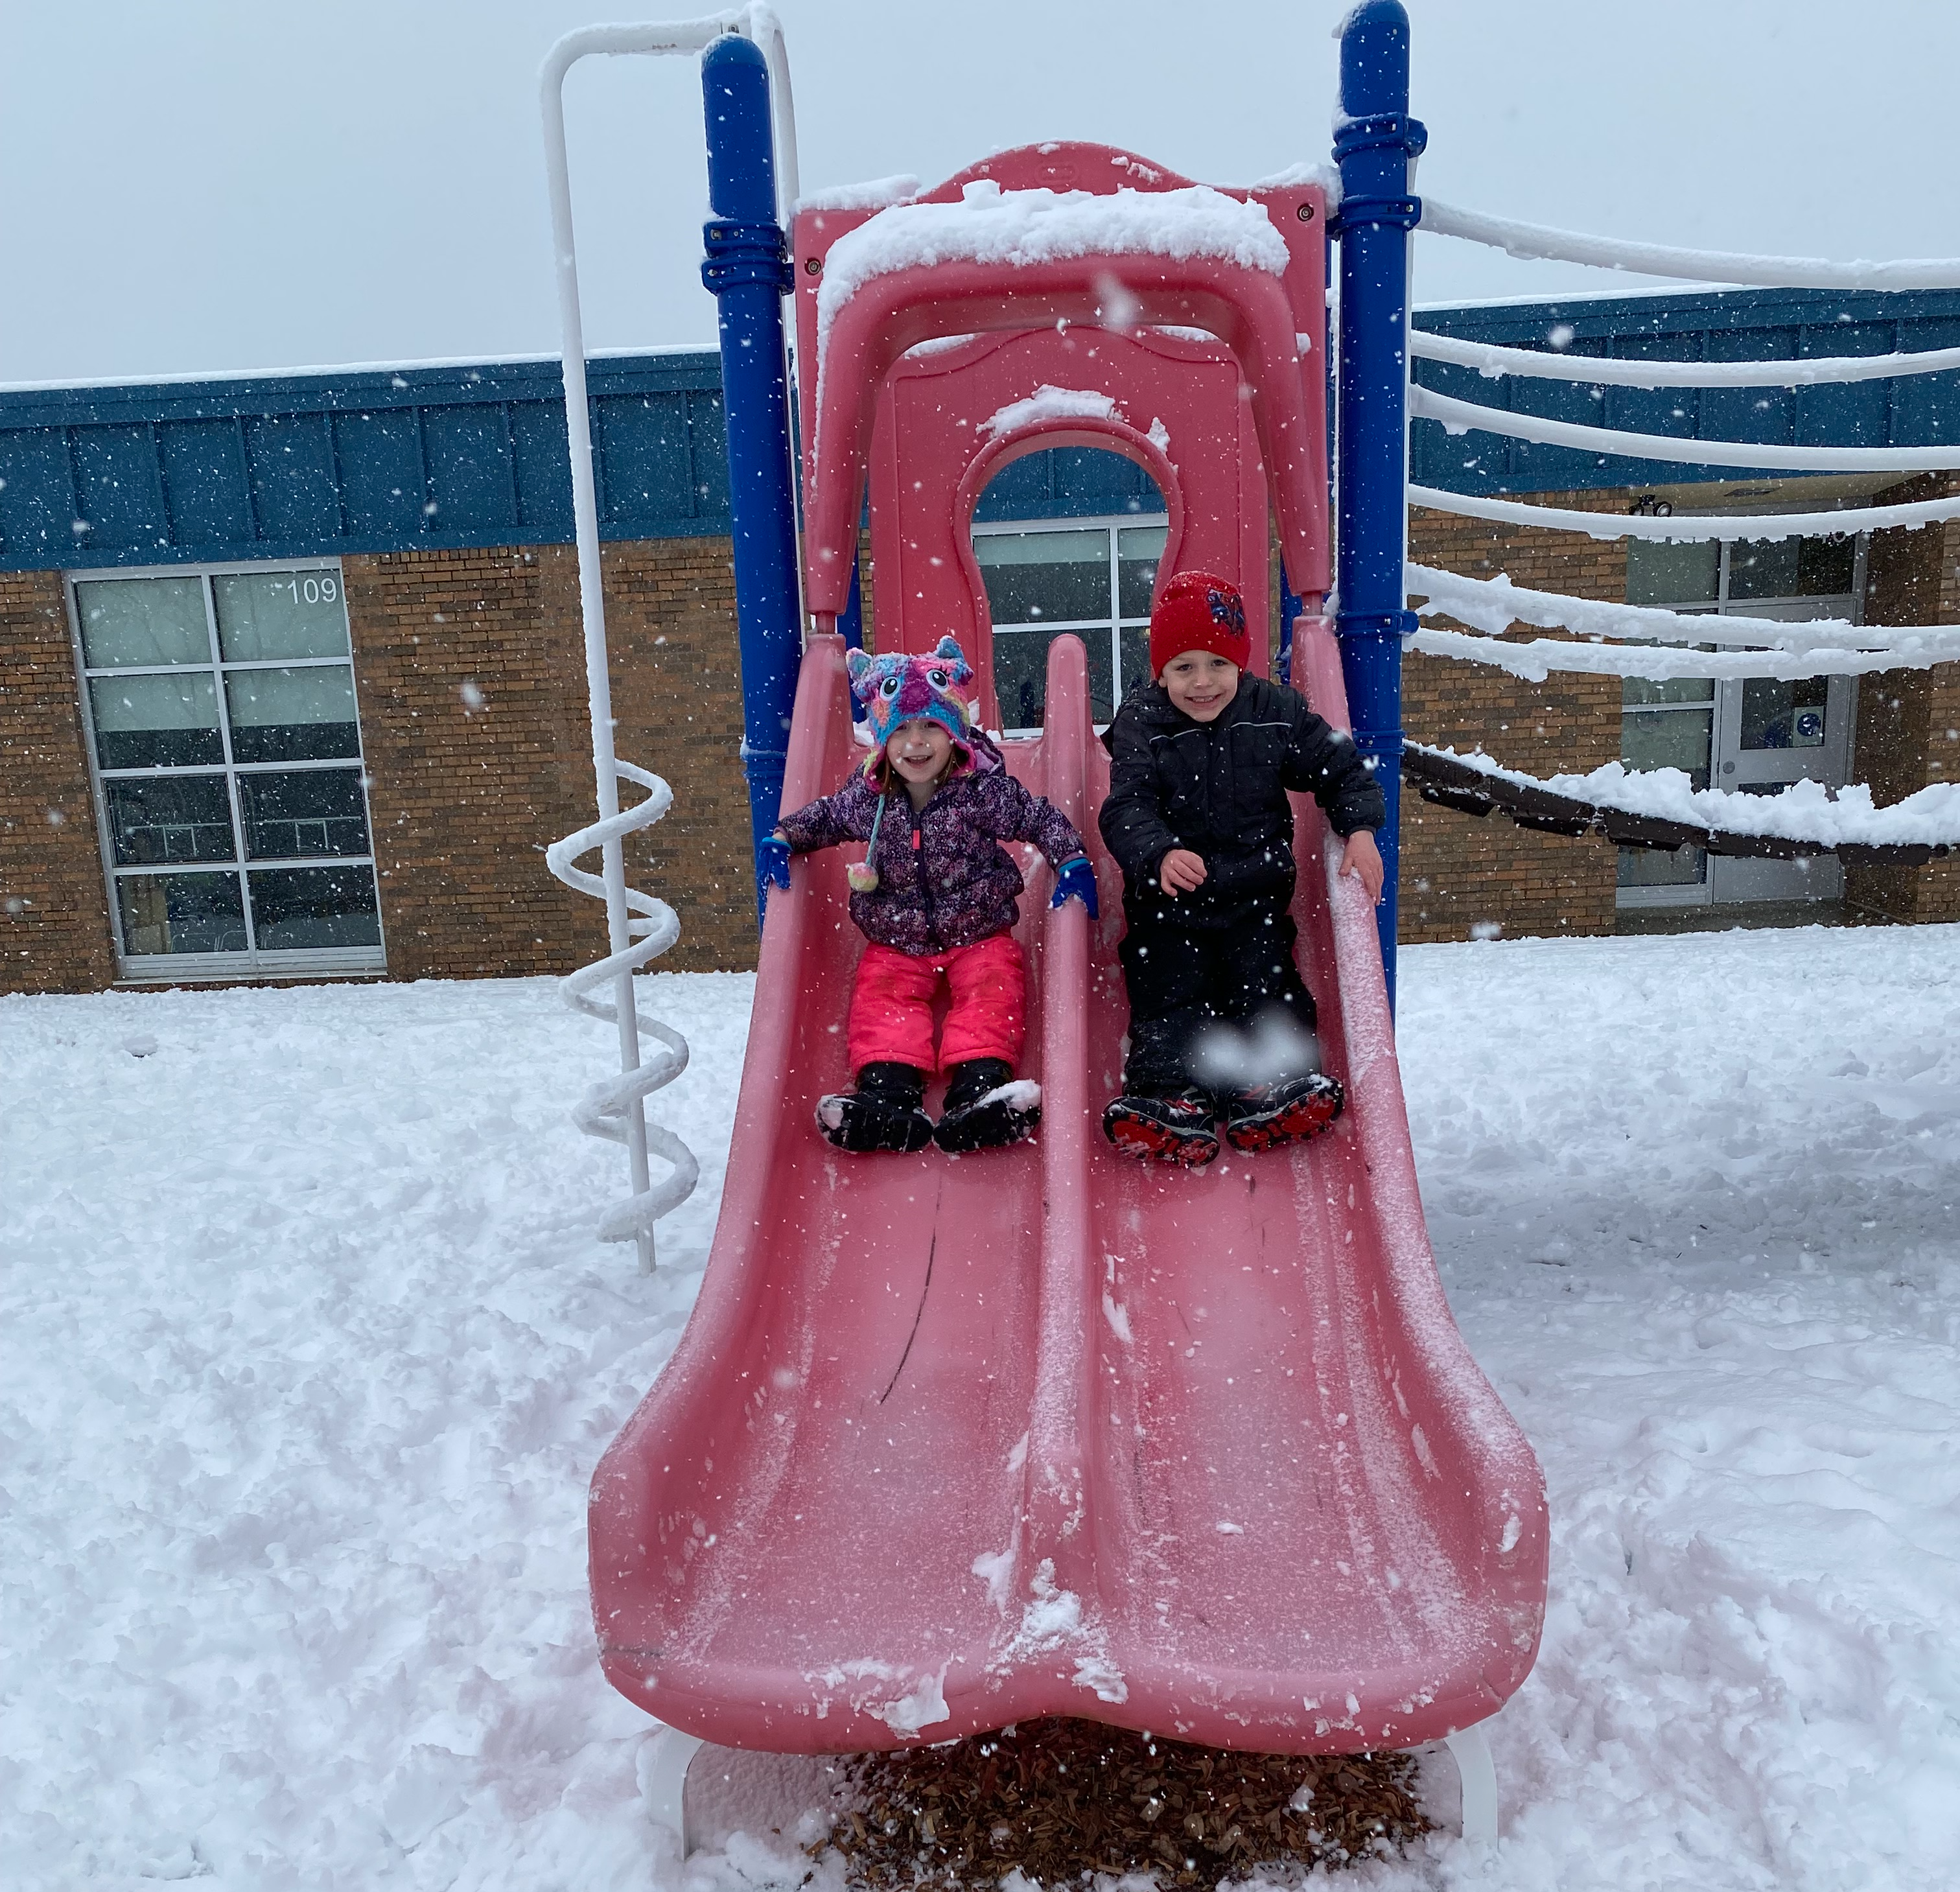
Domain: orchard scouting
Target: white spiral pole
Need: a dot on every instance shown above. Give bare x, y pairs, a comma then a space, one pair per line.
611, 1108
638, 927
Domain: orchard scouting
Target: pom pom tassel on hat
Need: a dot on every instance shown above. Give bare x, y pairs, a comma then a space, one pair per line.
862, 875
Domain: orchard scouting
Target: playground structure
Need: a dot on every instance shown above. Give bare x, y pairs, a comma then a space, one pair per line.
946, 1444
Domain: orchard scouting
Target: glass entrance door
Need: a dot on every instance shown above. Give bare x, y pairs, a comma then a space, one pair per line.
1749, 736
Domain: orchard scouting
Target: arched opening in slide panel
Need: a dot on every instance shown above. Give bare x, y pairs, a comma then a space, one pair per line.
1068, 539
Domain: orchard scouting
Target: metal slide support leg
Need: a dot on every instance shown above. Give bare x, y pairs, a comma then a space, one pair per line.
748, 269
1375, 143
1474, 1770
663, 1782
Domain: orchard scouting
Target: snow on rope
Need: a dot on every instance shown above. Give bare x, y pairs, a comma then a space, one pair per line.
1538, 242
1532, 663
1690, 528
1462, 417
1824, 646
1493, 605
1012, 229
1806, 811
602, 1112
1492, 362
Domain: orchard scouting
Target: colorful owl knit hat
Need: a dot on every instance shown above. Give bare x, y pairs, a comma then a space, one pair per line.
906, 687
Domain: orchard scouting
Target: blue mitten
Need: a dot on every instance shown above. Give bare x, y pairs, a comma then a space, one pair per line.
1076, 880
772, 859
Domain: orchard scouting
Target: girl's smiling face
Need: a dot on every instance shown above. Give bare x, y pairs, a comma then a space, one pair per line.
919, 751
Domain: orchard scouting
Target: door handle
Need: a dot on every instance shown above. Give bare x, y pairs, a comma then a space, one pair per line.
1728, 768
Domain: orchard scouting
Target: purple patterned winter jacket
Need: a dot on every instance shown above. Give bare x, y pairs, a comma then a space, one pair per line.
944, 880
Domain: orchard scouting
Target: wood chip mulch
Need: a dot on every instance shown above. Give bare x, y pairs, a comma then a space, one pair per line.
1063, 1800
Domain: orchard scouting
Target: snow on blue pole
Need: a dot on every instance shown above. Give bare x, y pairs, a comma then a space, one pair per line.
1375, 141
747, 270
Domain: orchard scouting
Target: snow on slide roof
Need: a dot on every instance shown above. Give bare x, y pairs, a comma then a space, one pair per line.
1017, 228
1051, 403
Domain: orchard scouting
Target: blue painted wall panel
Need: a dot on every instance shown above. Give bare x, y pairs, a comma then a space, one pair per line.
318, 465
538, 460
204, 482
708, 452
289, 461
382, 487
37, 510
647, 467
119, 489
471, 484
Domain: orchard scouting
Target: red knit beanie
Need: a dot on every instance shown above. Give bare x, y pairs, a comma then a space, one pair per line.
1199, 611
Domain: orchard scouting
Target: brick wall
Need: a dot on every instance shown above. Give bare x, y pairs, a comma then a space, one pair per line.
54, 908
1909, 729
1459, 871
470, 667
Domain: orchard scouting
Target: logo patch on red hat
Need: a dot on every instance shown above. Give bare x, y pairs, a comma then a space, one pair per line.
1227, 609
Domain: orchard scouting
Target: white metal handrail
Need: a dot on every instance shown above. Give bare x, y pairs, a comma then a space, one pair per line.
1464, 417
1539, 242
1492, 361
1536, 660
1689, 527
1492, 604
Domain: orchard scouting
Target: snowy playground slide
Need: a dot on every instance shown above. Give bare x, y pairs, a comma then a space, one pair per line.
950, 1443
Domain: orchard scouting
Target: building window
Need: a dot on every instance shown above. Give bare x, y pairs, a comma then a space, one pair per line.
1754, 735
1093, 578
232, 802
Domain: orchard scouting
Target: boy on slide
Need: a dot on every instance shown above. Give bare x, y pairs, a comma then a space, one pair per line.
1221, 1023
937, 898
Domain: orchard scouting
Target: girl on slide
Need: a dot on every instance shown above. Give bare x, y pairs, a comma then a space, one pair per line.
936, 898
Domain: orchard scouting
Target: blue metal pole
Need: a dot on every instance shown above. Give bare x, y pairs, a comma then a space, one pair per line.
1374, 144
748, 269
1291, 604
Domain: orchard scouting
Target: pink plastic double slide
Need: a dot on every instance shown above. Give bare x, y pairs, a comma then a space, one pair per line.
952, 1442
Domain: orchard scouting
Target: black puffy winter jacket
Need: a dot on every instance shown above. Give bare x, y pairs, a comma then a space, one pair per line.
1220, 789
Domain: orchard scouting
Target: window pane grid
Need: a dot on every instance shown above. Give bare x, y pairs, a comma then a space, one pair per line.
1128, 554
206, 879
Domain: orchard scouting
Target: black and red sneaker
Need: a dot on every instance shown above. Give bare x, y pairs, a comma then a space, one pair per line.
1287, 1112
1177, 1129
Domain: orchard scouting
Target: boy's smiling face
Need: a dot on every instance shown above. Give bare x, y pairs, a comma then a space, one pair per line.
1200, 682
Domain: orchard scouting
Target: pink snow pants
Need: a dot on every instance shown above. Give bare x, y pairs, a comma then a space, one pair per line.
986, 1012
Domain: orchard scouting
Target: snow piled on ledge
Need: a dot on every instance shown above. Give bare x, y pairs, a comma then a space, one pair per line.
1015, 229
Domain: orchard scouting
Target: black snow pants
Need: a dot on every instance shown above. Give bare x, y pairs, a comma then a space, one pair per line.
1233, 965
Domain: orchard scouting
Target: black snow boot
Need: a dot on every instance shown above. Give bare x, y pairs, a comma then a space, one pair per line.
1176, 1128
985, 1109
1287, 1112
882, 1113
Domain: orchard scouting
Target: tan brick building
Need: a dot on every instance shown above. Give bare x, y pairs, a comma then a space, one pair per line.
291, 676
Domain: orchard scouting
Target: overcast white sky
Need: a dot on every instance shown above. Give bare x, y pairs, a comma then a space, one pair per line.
218, 184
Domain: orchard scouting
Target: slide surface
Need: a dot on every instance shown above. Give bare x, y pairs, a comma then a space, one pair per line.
950, 1443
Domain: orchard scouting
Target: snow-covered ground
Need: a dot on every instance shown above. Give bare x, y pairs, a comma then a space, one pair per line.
306, 1355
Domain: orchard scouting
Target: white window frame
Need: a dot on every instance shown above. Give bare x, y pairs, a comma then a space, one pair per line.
1115, 624
1725, 707
179, 968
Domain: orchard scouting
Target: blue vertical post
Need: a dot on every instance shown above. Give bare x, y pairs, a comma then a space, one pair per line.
748, 269
1374, 144
851, 626
1291, 604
